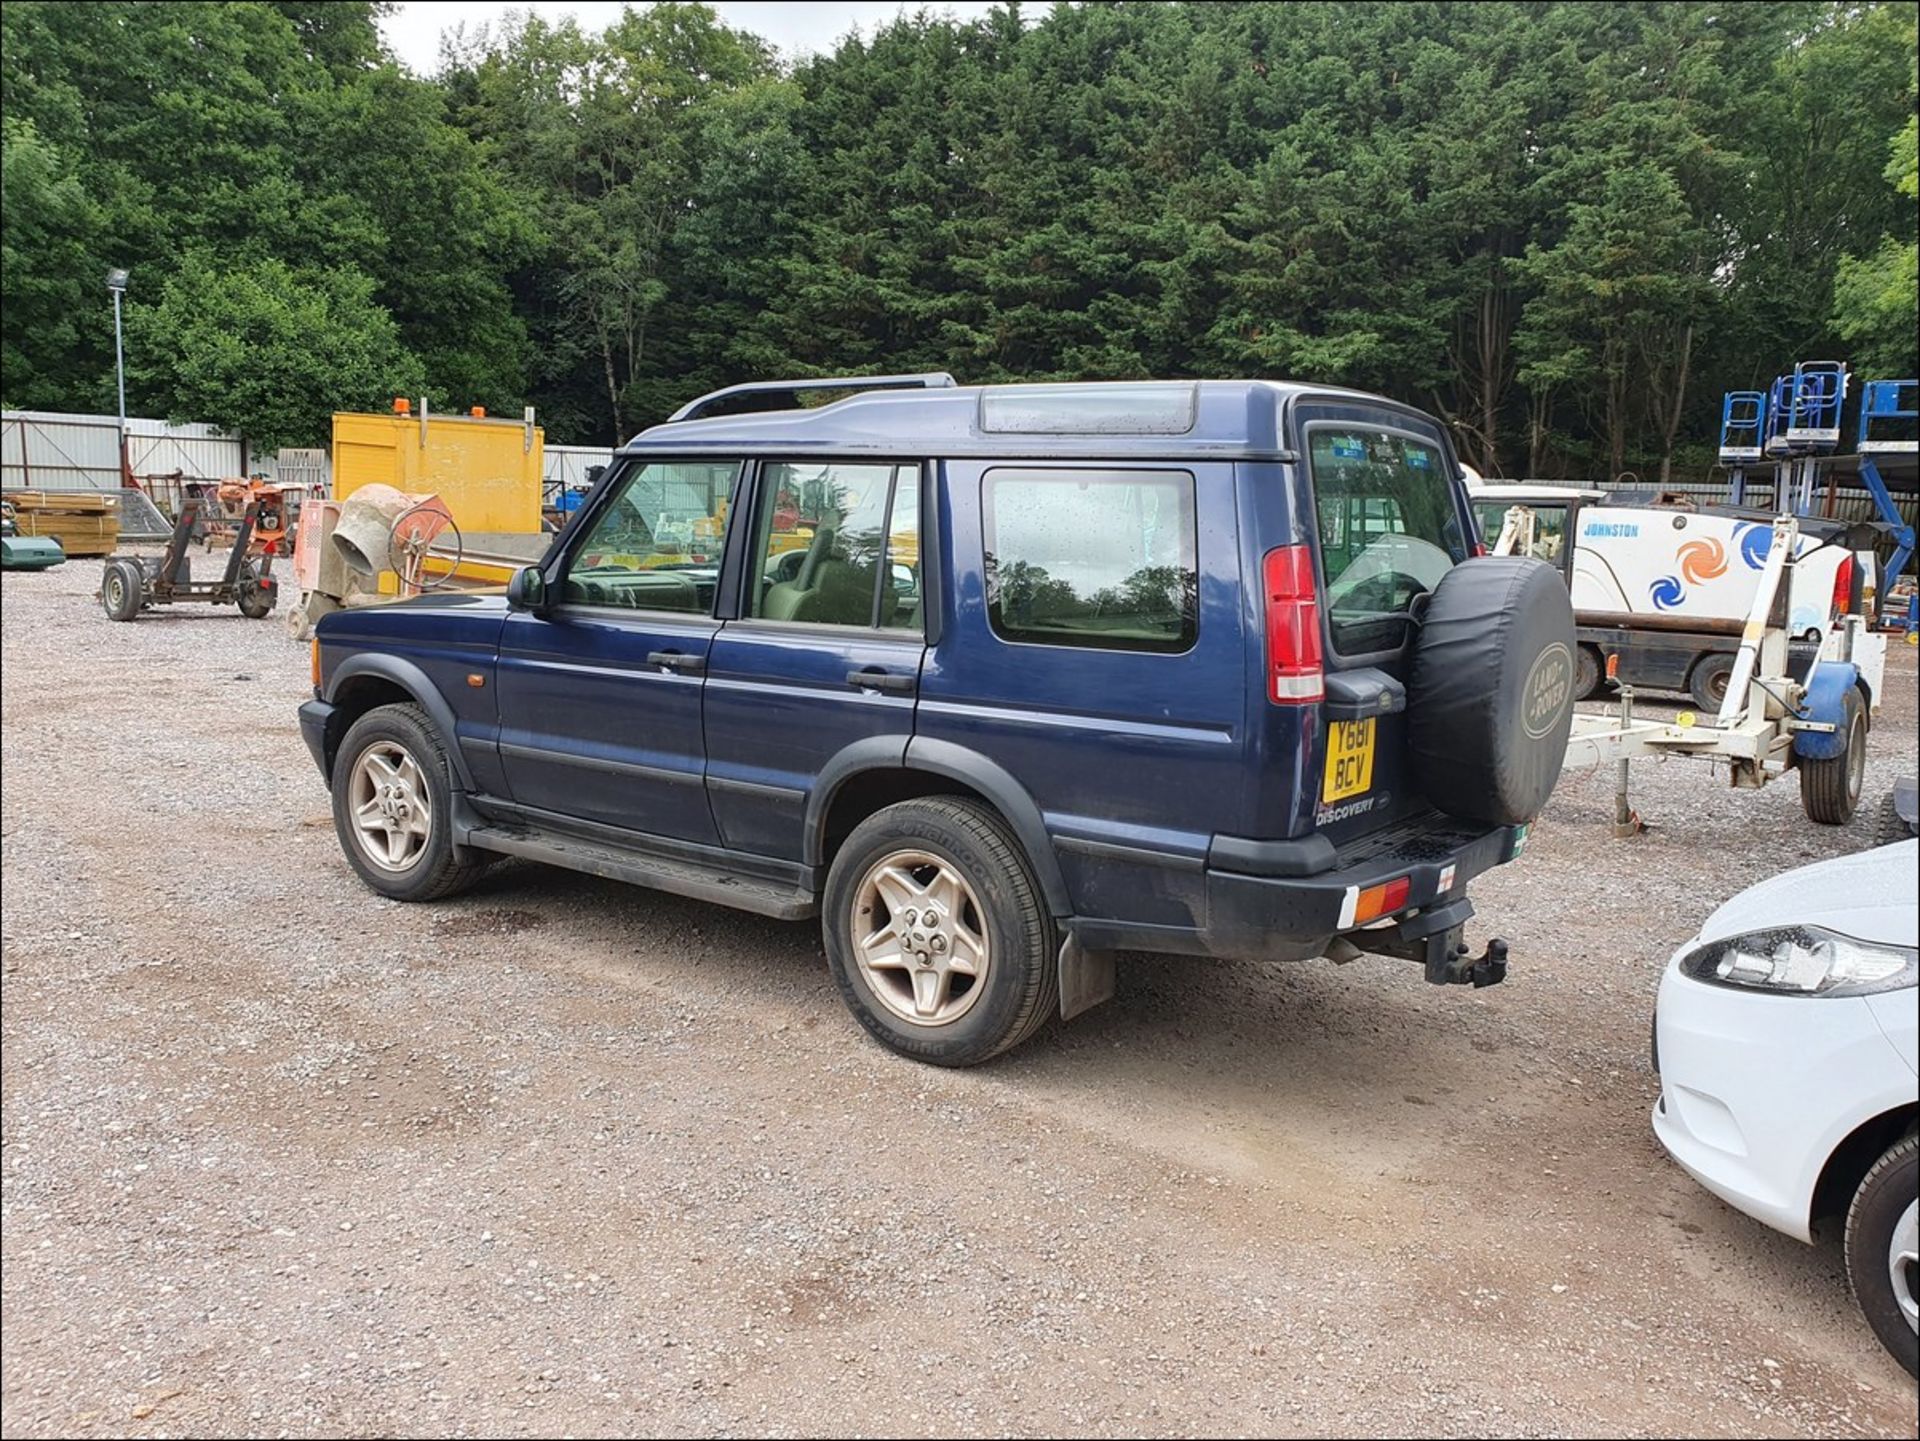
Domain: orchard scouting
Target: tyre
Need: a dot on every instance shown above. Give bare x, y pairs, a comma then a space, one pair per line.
257, 594
393, 807
1588, 671
121, 589
1709, 679
1883, 1251
1490, 694
938, 935
1889, 827
1830, 789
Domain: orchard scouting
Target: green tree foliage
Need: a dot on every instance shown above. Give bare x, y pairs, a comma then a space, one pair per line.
43, 255
182, 140
604, 139
268, 351
1566, 228
1877, 296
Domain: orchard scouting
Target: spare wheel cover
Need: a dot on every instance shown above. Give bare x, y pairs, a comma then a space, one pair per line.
1490, 697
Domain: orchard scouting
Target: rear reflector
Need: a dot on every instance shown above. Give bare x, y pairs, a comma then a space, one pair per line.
1381, 900
1295, 674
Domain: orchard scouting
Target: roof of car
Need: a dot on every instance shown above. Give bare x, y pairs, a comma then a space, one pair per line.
1529, 490
1237, 419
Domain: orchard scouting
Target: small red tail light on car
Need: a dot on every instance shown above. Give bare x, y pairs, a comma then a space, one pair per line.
1295, 665
1382, 900
1843, 585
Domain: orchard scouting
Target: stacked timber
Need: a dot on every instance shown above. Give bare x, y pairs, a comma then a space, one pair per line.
85, 522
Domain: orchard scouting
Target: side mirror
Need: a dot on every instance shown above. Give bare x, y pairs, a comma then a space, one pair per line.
527, 590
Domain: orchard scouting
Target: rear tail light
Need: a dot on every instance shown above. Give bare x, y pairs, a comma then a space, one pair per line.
1843, 586
1295, 670
1479, 549
1381, 900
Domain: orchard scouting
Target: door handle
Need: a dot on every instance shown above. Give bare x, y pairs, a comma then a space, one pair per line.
883, 681
679, 661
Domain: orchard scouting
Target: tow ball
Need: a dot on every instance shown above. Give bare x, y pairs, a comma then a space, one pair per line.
1436, 938
1460, 968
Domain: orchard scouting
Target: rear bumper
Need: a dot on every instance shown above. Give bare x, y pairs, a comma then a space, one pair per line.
315, 716
1266, 916
1281, 917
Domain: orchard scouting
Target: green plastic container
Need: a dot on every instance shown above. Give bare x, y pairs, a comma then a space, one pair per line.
30, 552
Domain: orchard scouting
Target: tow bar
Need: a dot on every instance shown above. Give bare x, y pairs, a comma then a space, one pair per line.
1437, 938
1457, 969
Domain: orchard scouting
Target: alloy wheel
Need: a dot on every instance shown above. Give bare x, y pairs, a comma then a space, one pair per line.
391, 806
920, 938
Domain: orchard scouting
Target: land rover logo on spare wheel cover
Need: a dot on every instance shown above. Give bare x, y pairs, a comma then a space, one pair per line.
1548, 691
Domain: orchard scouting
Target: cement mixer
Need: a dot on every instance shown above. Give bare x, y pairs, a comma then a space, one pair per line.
345, 549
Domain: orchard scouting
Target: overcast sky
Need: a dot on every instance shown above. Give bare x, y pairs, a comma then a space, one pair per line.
798, 27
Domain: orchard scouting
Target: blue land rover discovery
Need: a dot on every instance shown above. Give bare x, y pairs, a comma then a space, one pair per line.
996, 681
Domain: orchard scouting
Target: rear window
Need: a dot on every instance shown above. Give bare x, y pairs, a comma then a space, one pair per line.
1388, 531
1091, 558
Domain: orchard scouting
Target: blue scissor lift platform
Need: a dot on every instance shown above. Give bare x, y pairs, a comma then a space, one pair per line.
1795, 428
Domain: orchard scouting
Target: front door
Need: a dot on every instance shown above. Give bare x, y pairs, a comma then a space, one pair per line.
600, 696
825, 654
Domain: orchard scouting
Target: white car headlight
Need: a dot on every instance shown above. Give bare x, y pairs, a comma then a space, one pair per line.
1803, 961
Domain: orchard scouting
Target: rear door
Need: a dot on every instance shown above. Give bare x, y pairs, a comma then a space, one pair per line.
1389, 526
1094, 651
825, 653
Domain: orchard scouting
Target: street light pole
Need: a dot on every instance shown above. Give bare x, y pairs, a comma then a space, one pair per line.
117, 283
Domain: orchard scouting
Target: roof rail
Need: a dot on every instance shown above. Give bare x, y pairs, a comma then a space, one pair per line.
716, 400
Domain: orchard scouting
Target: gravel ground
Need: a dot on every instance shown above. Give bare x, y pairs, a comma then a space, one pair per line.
562, 1157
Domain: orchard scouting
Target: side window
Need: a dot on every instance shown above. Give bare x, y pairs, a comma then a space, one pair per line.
1104, 559
837, 545
656, 546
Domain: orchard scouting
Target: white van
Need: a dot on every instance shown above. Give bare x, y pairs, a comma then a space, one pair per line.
1666, 587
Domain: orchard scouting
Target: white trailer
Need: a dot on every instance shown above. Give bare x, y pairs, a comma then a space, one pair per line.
1660, 592
1769, 722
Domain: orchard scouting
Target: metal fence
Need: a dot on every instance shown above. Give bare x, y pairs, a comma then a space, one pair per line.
563, 477
54, 451
566, 465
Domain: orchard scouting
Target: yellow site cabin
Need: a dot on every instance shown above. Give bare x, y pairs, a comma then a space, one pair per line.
487, 471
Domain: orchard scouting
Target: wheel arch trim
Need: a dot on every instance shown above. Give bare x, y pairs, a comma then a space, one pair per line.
954, 762
415, 682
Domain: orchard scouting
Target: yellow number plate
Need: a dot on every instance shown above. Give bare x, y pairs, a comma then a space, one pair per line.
1349, 760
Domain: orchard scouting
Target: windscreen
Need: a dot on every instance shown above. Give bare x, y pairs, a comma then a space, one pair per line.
1549, 537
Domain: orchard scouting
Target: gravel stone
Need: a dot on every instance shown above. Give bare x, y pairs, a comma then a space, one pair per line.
564, 1157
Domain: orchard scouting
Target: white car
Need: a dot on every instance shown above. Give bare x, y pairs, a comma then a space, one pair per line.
1785, 1039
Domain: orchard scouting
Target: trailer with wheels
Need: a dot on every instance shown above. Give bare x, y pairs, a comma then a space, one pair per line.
1662, 586
1769, 721
130, 584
